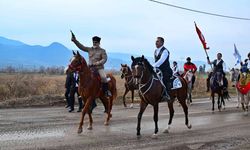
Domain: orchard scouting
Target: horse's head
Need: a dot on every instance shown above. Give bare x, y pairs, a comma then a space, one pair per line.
137, 66
218, 77
189, 75
124, 70
77, 62
141, 68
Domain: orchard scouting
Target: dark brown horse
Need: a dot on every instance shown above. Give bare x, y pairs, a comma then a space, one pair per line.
129, 83
216, 86
90, 89
150, 92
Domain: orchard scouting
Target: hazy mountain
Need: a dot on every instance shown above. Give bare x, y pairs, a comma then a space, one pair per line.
16, 53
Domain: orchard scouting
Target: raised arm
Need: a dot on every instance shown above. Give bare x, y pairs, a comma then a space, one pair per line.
78, 44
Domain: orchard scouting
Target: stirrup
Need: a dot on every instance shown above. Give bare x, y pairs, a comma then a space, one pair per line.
165, 97
108, 93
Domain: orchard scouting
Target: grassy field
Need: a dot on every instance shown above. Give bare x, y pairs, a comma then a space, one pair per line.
19, 90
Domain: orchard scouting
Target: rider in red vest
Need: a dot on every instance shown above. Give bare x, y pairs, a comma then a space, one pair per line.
190, 66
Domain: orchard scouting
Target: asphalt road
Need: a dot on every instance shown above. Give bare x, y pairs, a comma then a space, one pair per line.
55, 128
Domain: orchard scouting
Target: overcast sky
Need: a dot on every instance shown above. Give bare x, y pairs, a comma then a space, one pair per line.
130, 26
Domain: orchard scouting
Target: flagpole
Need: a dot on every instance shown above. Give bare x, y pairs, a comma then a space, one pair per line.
201, 37
208, 58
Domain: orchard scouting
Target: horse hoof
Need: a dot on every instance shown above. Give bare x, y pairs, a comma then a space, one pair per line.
138, 136
166, 131
106, 123
154, 136
89, 127
189, 126
132, 105
245, 113
79, 130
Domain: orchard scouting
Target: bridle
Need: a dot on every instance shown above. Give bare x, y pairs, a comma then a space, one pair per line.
149, 82
78, 66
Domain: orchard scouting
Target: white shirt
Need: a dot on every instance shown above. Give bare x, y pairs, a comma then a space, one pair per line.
175, 70
248, 63
164, 56
76, 77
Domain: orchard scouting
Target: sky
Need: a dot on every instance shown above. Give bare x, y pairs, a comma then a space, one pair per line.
131, 26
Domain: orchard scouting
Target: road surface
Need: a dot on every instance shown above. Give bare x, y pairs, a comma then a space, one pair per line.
55, 128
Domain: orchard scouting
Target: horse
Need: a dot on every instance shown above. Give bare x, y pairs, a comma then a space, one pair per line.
188, 77
90, 89
150, 92
129, 83
216, 86
243, 87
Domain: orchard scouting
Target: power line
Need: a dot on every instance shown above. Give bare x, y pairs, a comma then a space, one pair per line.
198, 11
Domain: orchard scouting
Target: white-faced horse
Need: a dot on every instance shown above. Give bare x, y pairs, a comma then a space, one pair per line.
188, 77
234, 76
243, 87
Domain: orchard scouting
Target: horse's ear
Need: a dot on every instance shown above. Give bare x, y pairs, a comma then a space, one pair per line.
125, 65
78, 53
121, 65
132, 58
74, 53
142, 57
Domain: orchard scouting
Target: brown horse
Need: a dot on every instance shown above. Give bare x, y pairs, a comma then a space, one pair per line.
90, 89
150, 92
129, 83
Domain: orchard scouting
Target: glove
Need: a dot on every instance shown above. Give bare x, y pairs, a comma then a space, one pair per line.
73, 37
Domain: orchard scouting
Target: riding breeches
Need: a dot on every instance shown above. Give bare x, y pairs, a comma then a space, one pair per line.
102, 75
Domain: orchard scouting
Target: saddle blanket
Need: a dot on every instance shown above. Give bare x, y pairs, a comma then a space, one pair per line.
176, 83
108, 79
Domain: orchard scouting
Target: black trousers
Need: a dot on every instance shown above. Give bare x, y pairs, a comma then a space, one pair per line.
73, 91
166, 79
67, 96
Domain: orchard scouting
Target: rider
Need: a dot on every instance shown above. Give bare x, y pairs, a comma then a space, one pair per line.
190, 66
97, 58
219, 66
161, 56
175, 69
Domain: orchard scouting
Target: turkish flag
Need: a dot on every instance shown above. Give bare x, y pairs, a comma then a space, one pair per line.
201, 37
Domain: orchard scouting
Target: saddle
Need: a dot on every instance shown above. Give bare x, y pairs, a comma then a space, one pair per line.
244, 83
175, 82
97, 75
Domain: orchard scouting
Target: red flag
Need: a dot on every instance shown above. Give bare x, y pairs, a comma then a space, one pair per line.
201, 37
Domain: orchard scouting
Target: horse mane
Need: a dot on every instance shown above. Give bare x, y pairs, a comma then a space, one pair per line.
150, 67
146, 62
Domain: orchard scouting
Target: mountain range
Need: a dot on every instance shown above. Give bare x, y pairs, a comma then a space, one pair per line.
16, 53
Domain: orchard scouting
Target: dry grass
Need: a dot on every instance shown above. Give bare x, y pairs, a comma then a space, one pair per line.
36, 89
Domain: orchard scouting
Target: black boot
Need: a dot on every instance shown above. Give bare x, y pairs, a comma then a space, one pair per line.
165, 96
105, 90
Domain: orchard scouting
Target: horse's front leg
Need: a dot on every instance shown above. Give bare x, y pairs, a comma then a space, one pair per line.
124, 96
156, 108
84, 111
132, 96
171, 113
219, 102
212, 95
143, 106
